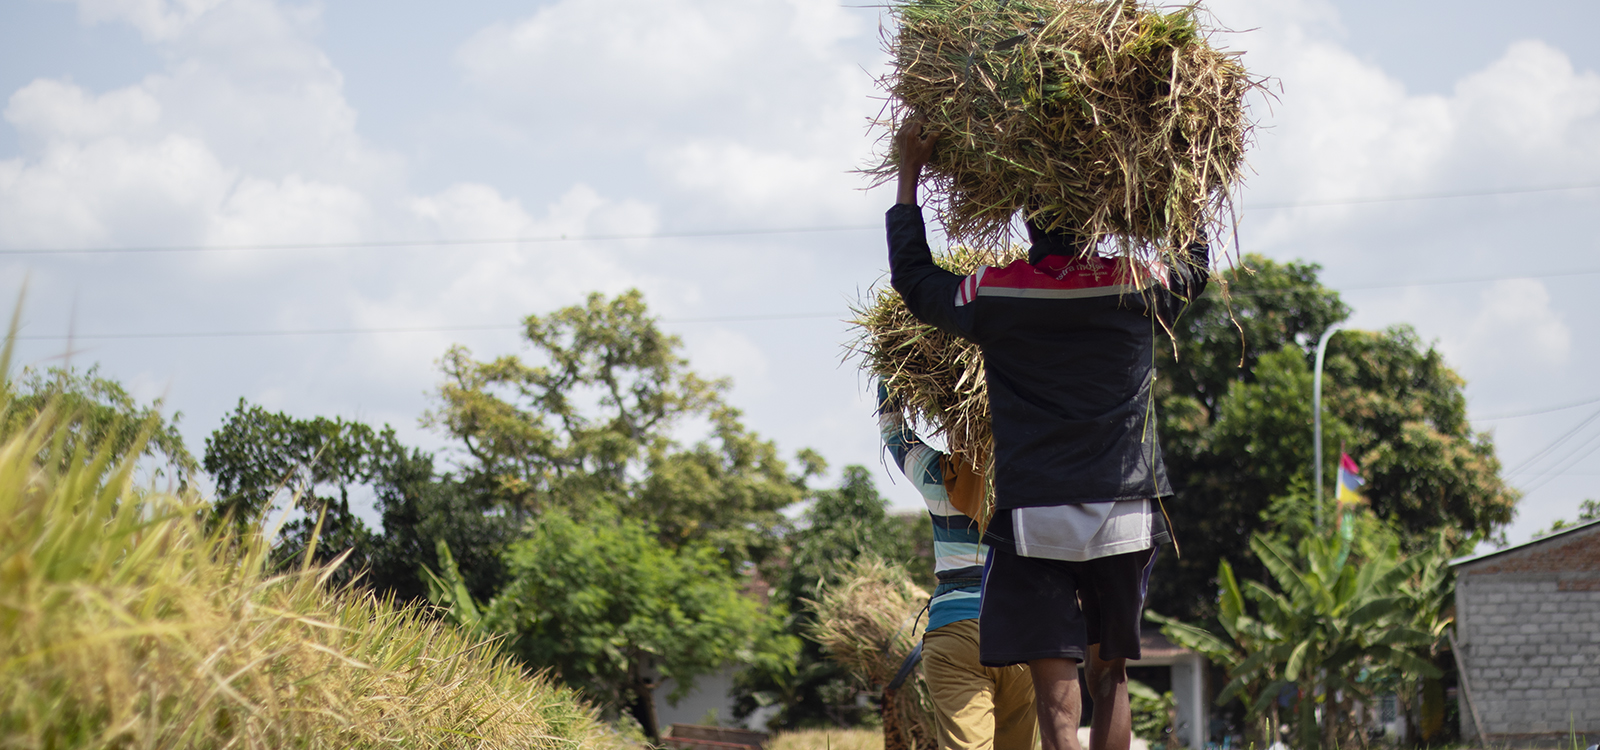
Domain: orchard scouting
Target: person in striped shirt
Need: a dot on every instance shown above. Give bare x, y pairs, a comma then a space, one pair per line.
978, 707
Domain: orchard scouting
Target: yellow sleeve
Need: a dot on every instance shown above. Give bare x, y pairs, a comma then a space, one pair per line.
964, 484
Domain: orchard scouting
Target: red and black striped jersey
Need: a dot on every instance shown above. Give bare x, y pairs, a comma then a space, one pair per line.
1069, 357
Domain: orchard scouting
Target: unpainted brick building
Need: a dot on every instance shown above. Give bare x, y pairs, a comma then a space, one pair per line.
1528, 634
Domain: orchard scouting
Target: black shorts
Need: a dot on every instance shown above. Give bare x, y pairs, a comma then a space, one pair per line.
1036, 608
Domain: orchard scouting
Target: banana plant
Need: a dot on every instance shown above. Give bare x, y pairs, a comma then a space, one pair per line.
1327, 619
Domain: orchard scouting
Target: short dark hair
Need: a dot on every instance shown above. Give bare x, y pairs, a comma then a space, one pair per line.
1048, 242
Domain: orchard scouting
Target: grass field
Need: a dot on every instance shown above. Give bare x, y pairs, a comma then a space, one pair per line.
828, 739
126, 622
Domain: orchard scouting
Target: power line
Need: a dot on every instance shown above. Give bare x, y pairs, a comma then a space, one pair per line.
1542, 410
1342, 288
255, 334
364, 331
1474, 279
762, 317
747, 318
1576, 458
1424, 196
690, 234
1554, 445
368, 244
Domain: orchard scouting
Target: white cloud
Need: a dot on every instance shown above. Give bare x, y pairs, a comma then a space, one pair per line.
781, 184
495, 278
1532, 105
48, 111
289, 210
1513, 324
622, 64
721, 352
477, 210
111, 190
741, 105
158, 20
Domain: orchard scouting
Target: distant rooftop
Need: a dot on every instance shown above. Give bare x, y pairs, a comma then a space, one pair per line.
1525, 545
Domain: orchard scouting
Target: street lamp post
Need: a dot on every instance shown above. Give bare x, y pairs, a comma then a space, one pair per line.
1316, 419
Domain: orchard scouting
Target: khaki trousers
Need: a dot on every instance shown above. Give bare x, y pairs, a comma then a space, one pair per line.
978, 707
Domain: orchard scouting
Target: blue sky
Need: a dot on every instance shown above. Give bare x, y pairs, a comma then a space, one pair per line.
133, 123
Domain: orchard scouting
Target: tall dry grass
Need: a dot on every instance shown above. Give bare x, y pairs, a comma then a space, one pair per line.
827, 739
125, 623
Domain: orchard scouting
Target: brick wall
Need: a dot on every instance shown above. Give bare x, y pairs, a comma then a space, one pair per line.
1528, 623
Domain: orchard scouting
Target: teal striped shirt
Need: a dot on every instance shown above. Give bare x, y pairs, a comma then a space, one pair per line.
958, 550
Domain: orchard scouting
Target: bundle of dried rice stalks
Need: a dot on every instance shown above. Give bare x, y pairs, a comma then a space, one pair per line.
1106, 116
866, 620
869, 623
936, 378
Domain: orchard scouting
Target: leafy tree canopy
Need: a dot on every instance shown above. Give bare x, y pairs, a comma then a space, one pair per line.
612, 610
592, 419
256, 454
1236, 427
100, 415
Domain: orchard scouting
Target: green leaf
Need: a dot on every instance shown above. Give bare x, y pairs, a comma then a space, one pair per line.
1278, 561
1137, 689
1193, 637
1375, 611
1230, 605
1268, 695
1405, 636
1297, 661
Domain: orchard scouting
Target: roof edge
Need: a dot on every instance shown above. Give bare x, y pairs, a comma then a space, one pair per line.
1562, 532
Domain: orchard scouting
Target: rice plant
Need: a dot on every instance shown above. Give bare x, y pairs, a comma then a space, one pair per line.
126, 623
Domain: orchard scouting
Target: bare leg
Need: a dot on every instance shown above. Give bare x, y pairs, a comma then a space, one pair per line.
1055, 692
1112, 727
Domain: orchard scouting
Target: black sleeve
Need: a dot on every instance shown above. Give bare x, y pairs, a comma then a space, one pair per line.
929, 291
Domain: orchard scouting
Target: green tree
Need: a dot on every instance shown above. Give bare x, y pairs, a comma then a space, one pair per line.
840, 527
1426, 469
257, 454
590, 423
101, 413
611, 610
1235, 404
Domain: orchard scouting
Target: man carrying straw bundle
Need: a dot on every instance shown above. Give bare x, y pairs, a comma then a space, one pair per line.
976, 707
1068, 344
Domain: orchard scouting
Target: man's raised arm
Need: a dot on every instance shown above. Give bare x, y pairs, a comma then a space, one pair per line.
928, 290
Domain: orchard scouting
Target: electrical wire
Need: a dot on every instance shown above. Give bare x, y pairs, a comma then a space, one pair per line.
1562, 469
1425, 196
408, 329
1554, 445
689, 234
1542, 410
369, 244
1411, 284
741, 318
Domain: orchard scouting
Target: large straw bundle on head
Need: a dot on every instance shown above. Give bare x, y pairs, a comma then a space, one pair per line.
869, 622
1108, 117
936, 378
